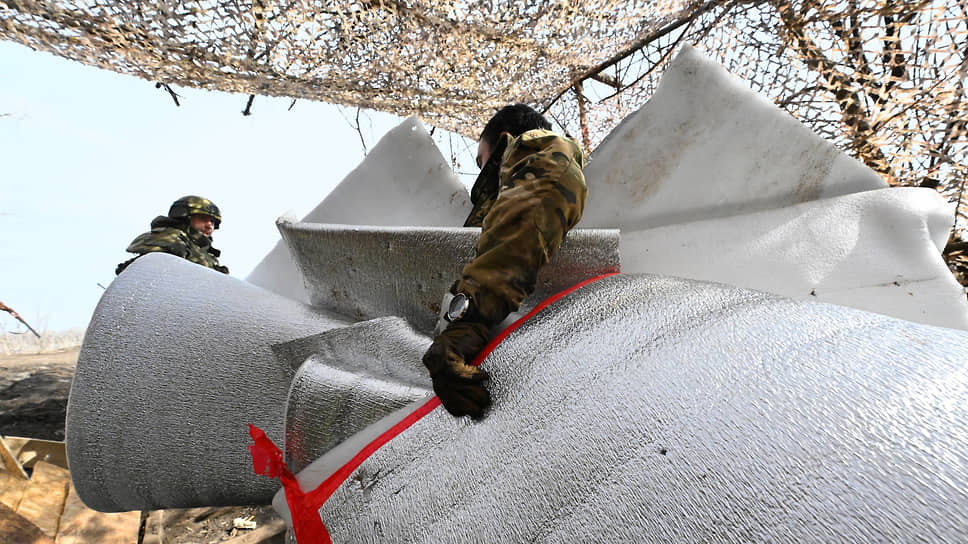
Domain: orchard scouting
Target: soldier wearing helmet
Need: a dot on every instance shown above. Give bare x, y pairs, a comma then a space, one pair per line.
529, 194
185, 232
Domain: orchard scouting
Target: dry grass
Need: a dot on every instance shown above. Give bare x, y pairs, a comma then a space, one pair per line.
49, 342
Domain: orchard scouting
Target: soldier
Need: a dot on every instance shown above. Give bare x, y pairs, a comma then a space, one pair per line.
185, 232
529, 194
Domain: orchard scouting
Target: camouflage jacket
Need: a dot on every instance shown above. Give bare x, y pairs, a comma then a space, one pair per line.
525, 202
176, 237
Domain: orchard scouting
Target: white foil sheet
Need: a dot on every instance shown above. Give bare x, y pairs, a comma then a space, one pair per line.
364, 272
644, 408
357, 375
176, 362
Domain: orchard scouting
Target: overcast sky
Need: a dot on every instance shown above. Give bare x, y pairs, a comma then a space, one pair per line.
88, 157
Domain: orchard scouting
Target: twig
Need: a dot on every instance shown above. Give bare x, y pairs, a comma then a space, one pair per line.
248, 105
291, 104
356, 126
174, 95
360, 131
961, 195
16, 316
594, 71
582, 114
614, 82
665, 55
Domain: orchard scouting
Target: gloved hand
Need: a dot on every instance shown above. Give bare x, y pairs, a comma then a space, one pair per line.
456, 381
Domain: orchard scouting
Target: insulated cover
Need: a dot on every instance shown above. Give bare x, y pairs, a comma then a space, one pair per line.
651, 409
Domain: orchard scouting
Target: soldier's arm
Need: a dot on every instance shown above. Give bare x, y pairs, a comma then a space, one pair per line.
542, 197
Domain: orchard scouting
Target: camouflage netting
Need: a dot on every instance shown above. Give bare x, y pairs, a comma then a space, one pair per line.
883, 80
451, 62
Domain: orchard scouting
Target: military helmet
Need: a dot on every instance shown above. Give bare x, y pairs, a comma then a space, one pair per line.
188, 206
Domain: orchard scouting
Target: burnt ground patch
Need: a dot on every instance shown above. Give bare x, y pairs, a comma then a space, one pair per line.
33, 394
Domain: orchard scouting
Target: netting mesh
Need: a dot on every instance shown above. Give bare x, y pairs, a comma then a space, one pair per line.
451, 62
883, 80
885, 83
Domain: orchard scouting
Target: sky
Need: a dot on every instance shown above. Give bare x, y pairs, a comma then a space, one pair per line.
89, 157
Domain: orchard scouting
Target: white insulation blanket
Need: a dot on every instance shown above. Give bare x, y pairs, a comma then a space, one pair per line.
642, 408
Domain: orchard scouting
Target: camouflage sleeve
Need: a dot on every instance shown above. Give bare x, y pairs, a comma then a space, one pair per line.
541, 198
166, 240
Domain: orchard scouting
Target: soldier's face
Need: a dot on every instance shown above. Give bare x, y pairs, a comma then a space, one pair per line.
483, 153
203, 223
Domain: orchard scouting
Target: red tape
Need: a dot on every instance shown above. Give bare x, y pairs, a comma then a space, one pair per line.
267, 459
303, 507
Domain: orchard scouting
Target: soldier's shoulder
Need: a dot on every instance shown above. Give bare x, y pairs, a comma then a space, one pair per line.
538, 134
167, 233
541, 141
541, 138
158, 239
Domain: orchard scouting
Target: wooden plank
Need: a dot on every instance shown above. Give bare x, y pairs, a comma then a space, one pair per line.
14, 528
11, 490
81, 525
15, 443
31, 450
44, 498
10, 461
155, 527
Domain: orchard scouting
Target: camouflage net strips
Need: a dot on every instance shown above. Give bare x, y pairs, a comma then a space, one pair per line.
883, 80
451, 62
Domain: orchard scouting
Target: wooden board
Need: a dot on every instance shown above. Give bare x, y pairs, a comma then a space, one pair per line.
14, 528
11, 490
44, 498
10, 462
82, 525
155, 527
30, 450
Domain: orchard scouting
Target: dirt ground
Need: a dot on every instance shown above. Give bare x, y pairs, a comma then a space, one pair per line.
214, 525
33, 393
33, 404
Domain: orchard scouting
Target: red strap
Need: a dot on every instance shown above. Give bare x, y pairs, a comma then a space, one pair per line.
544, 304
304, 507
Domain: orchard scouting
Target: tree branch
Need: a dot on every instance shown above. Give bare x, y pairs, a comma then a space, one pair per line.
15, 315
632, 49
174, 95
852, 110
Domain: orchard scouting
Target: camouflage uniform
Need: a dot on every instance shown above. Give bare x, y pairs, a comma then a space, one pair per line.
173, 234
525, 202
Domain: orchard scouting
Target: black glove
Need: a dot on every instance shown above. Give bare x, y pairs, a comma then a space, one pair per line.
456, 382
124, 265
